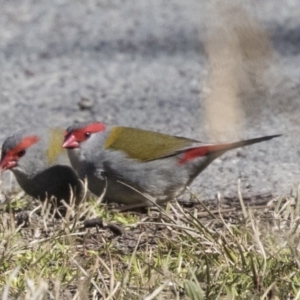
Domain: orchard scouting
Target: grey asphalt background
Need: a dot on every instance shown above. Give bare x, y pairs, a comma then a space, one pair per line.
145, 64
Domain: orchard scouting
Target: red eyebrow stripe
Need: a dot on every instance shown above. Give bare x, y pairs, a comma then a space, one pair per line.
25, 143
202, 151
95, 127
92, 128
13, 152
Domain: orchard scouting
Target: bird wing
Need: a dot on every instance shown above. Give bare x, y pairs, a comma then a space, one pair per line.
55, 152
146, 145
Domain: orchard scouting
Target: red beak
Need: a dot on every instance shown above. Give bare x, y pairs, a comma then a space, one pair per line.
7, 163
70, 142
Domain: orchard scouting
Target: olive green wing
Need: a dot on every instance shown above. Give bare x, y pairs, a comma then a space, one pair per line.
146, 145
55, 153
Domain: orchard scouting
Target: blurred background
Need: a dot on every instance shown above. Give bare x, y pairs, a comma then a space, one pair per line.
212, 70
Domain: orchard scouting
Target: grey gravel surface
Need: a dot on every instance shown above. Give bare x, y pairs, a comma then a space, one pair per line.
146, 64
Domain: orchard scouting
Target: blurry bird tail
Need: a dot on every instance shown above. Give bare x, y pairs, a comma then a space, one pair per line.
217, 150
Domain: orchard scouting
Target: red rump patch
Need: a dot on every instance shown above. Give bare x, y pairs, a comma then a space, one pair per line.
202, 151
80, 134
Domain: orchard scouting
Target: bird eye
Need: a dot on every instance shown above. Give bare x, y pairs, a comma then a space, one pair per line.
21, 153
87, 134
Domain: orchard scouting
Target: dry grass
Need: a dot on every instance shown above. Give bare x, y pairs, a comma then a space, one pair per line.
220, 251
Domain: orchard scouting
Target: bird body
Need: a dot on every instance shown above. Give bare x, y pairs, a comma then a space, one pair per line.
39, 163
134, 165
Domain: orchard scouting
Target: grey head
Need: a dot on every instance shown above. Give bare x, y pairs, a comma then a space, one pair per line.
39, 163
21, 153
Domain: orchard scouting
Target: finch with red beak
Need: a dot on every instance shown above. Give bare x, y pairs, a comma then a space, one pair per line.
135, 165
40, 165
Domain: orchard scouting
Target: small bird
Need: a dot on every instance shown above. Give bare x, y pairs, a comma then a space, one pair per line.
134, 165
40, 165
